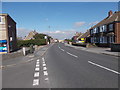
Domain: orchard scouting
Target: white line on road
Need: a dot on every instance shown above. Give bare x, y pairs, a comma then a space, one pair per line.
63, 50
37, 65
45, 73
38, 60
103, 67
72, 55
44, 62
46, 79
44, 65
37, 69
36, 74
44, 68
35, 82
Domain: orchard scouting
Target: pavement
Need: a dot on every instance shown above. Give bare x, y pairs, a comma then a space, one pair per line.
63, 67
98, 50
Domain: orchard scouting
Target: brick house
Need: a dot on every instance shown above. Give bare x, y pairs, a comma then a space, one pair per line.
8, 37
85, 37
107, 31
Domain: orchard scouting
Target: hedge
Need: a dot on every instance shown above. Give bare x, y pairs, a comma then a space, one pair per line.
27, 43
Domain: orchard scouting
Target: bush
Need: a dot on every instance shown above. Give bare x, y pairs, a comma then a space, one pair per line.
27, 43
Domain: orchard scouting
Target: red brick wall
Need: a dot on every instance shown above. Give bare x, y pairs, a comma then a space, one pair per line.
12, 33
117, 33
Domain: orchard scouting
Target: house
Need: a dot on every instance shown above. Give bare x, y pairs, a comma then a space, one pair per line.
31, 35
107, 31
76, 37
85, 38
8, 37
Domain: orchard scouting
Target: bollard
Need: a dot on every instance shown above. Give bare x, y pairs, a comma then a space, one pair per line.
24, 53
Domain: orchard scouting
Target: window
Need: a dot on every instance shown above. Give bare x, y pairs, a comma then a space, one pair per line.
103, 28
111, 39
91, 31
111, 27
11, 39
95, 30
2, 20
104, 39
13, 36
101, 39
92, 40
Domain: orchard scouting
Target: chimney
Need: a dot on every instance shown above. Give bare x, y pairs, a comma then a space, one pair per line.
110, 13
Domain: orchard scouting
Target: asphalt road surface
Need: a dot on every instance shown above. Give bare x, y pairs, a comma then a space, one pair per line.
63, 67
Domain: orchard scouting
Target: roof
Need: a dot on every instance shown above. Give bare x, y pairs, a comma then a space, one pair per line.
86, 34
30, 35
109, 19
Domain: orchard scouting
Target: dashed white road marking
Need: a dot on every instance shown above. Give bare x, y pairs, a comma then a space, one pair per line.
38, 60
37, 69
103, 67
36, 74
37, 65
43, 62
63, 50
72, 55
35, 82
44, 65
45, 73
46, 79
44, 68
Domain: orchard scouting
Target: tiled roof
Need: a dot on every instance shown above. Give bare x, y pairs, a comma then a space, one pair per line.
30, 35
86, 34
114, 17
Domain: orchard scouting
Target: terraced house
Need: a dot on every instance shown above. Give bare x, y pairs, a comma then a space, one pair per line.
107, 31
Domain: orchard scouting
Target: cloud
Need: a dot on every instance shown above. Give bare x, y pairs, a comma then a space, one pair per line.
93, 23
61, 34
22, 32
78, 24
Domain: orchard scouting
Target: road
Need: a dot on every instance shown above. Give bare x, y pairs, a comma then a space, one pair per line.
64, 67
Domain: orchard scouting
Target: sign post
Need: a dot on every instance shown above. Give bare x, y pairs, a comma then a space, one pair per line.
46, 39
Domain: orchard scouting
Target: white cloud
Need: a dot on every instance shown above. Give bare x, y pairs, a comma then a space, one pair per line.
61, 34
22, 32
78, 24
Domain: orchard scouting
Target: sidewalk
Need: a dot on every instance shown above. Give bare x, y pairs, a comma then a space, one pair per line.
24, 59
98, 50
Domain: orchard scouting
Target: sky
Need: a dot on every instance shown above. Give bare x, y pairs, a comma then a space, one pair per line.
58, 19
